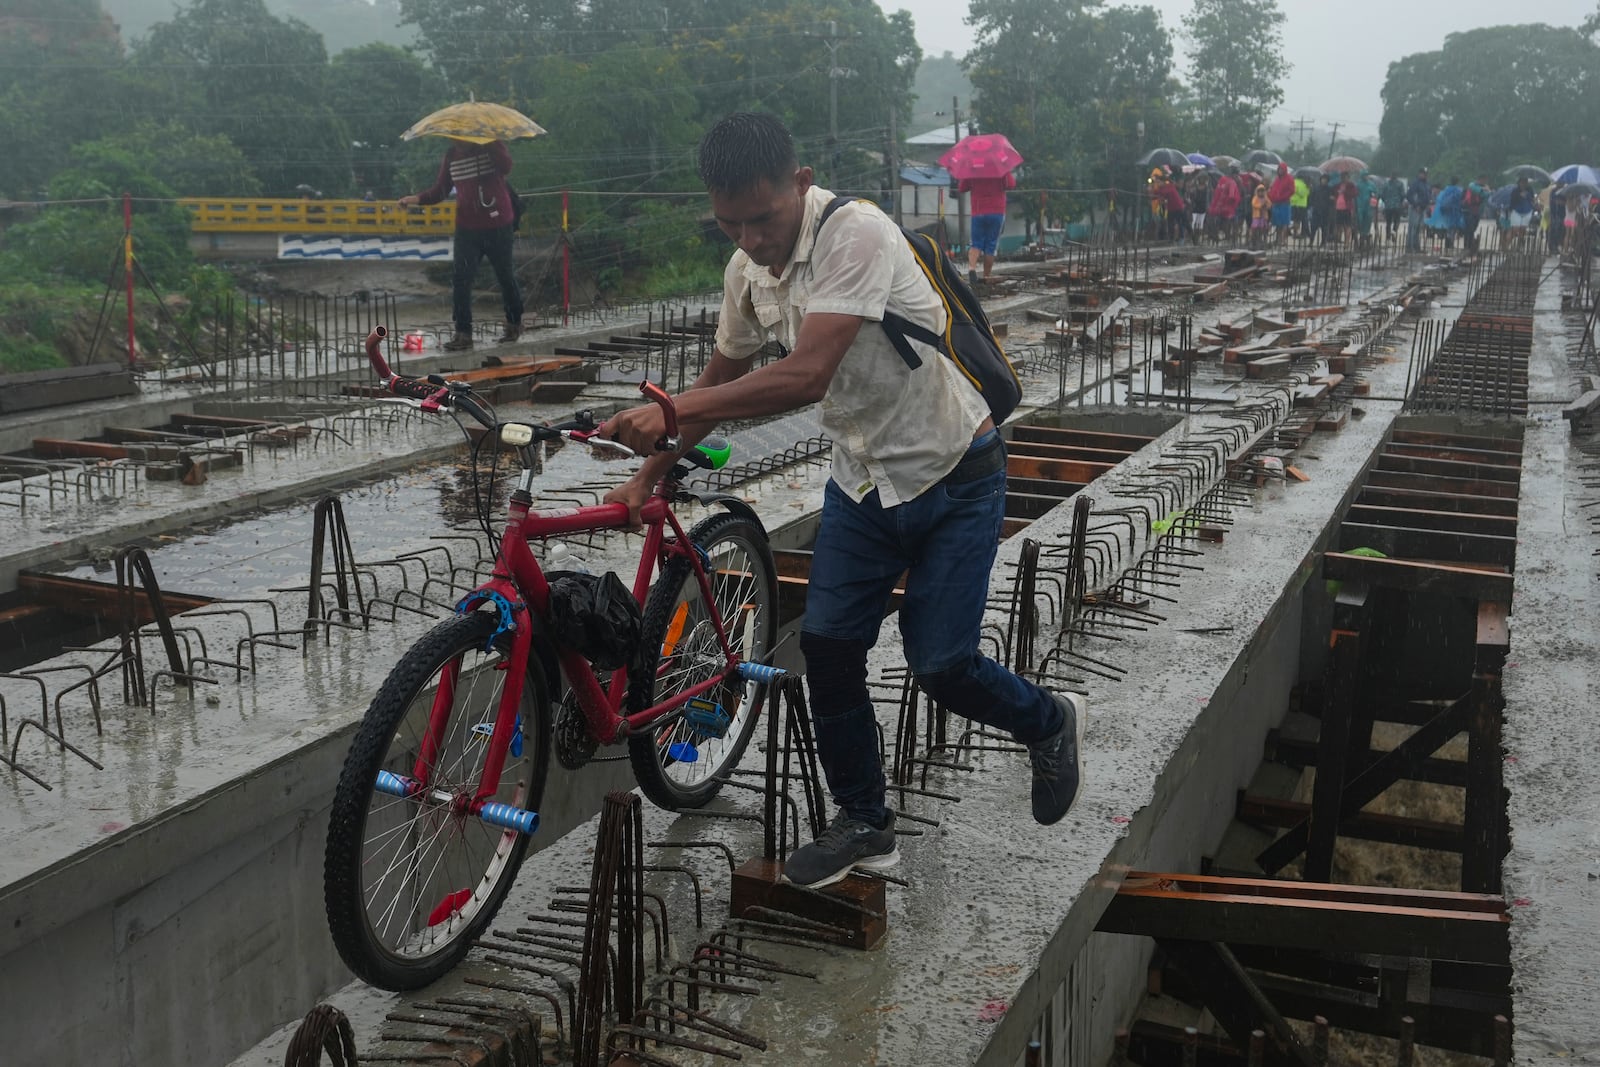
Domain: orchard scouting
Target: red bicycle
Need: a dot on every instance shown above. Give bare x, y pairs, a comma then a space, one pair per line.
444, 778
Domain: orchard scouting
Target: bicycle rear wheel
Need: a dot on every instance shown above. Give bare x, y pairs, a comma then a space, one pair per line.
409, 882
678, 762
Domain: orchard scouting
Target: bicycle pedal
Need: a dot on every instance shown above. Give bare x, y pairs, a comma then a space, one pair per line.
706, 718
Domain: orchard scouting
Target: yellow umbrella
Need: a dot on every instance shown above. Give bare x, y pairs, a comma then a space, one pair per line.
477, 121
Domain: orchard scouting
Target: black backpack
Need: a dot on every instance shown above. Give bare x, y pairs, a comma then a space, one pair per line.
968, 339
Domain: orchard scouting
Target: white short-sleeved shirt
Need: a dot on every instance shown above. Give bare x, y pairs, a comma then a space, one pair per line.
895, 428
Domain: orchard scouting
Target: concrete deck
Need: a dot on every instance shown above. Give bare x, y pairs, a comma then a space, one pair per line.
1552, 735
206, 830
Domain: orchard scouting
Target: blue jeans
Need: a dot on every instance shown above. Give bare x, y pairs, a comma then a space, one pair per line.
944, 542
471, 246
1414, 229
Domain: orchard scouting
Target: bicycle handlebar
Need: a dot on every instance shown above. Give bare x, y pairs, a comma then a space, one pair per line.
436, 394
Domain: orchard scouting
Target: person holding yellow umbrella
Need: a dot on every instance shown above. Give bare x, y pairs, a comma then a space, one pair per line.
476, 164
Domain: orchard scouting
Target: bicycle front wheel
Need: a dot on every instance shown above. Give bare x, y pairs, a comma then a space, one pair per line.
409, 882
678, 763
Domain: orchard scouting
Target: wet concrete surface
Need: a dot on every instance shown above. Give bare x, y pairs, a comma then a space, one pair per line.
966, 972
1551, 686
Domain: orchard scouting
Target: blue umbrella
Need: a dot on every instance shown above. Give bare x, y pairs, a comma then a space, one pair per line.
1200, 159
1573, 173
1500, 199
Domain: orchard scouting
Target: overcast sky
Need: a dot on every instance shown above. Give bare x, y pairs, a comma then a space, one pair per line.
1339, 50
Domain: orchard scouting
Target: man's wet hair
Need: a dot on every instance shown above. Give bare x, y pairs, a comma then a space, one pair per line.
745, 149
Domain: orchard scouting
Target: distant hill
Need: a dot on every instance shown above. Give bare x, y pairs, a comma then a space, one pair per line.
342, 23
938, 79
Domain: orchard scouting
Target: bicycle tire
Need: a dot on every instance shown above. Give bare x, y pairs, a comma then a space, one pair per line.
393, 930
678, 629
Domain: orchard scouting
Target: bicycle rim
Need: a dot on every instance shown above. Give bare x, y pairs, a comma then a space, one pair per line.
426, 879
679, 762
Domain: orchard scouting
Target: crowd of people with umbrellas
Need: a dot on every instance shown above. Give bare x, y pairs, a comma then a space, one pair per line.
1260, 200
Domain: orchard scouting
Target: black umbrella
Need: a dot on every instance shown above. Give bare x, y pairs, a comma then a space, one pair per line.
1164, 157
1307, 174
1580, 191
1257, 156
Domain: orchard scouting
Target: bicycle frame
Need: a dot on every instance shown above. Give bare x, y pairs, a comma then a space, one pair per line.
520, 593
519, 582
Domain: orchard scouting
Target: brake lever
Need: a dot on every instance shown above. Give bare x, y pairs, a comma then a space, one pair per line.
593, 439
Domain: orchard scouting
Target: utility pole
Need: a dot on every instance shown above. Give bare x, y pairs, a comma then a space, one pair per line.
894, 167
1300, 127
1332, 138
962, 237
835, 72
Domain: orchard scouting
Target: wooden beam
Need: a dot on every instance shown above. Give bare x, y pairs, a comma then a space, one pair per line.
1409, 542
1377, 496
1434, 483
58, 448
1125, 443
1449, 468
1428, 519
1062, 451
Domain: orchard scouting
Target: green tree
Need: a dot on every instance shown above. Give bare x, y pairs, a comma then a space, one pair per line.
380, 90
58, 66
1491, 98
231, 68
1236, 68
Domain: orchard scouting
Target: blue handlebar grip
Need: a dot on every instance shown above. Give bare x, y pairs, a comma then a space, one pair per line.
506, 817
395, 785
760, 672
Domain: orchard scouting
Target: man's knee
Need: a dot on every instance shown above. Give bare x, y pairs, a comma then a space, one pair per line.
836, 670
944, 685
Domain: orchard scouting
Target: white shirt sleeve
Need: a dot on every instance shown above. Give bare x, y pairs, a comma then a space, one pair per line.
852, 269
739, 333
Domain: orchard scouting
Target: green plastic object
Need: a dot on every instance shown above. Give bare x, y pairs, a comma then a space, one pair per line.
1333, 585
716, 451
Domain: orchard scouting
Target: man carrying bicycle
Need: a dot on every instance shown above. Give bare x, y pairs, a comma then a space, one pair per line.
918, 485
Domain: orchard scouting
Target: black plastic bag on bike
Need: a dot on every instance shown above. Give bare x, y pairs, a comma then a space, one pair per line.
596, 615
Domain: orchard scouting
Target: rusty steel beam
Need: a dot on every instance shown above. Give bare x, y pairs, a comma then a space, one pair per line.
97, 599
1437, 483
1449, 468
1473, 583
1511, 446
1056, 470
1126, 443
1376, 496
1468, 927
1407, 542
1429, 519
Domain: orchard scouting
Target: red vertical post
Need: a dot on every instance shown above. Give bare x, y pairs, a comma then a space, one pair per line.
566, 262
127, 269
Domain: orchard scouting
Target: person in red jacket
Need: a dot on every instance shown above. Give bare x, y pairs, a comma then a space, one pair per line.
988, 219
484, 222
1280, 193
1224, 202
1177, 210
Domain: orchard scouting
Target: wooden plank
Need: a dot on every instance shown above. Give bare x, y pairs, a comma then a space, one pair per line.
1408, 542
1458, 454
1485, 822
1494, 625
1457, 521
1438, 483
1415, 576
1378, 496
1509, 445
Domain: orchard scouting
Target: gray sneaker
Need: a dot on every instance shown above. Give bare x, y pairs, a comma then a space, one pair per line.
1058, 762
844, 846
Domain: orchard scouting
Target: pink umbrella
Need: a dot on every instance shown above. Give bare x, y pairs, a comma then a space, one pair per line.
982, 155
